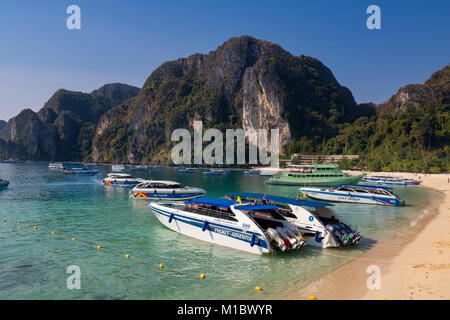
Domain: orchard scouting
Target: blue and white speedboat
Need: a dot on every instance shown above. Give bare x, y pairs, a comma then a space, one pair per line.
354, 193
165, 190
56, 166
4, 183
83, 171
390, 180
121, 180
254, 228
215, 172
187, 170
318, 224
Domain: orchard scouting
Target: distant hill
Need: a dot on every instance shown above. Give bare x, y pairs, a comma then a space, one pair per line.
64, 128
411, 131
245, 83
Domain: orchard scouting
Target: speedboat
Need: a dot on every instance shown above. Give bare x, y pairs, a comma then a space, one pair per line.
56, 166
319, 225
355, 194
83, 171
254, 228
215, 172
141, 168
385, 180
164, 190
3, 184
187, 170
252, 172
121, 180
117, 167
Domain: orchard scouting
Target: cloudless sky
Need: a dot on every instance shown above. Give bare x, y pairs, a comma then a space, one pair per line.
124, 41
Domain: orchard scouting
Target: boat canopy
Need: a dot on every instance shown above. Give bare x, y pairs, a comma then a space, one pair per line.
218, 202
254, 207
362, 186
280, 199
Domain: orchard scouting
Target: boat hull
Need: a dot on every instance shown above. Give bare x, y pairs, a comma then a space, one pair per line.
80, 173
214, 232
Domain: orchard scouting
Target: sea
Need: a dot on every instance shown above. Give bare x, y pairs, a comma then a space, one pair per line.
52, 224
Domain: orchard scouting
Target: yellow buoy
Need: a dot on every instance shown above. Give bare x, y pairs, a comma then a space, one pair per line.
161, 266
127, 256
312, 298
258, 288
4, 220
202, 276
18, 223
35, 227
99, 247
73, 239
53, 232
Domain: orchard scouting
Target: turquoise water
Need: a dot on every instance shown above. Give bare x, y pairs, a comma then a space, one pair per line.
33, 263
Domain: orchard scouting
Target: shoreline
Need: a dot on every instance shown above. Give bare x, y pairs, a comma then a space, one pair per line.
414, 264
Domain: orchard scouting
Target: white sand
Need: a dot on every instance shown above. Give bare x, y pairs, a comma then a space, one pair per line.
415, 264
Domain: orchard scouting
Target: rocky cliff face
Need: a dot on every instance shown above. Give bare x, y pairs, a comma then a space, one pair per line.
245, 83
63, 129
436, 90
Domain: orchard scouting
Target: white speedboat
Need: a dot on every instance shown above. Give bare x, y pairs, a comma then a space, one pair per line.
143, 168
83, 171
390, 180
215, 172
117, 167
354, 193
121, 180
165, 190
319, 225
3, 184
56, 166
254, 228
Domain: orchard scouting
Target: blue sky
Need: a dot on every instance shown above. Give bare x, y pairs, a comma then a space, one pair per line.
124, 41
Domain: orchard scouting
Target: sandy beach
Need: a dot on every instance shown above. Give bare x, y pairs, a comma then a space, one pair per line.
415, 264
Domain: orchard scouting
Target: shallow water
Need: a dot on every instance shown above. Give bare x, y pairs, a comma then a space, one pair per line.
33, 263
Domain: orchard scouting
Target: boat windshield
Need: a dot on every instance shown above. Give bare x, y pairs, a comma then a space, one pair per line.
210, 210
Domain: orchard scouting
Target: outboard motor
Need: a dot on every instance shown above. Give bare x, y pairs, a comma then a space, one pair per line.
275, 236
290, 242
295, 234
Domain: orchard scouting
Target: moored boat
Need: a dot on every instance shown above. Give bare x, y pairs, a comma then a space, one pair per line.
121, 180
319, 225
187, 170
165, 190
351, 193
118, 167
248, 227
215, 172
390, 180
4, 183
143, 168
314, 175
56, 166
83, 171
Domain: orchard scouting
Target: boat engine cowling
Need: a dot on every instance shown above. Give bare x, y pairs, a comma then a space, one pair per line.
275, 236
